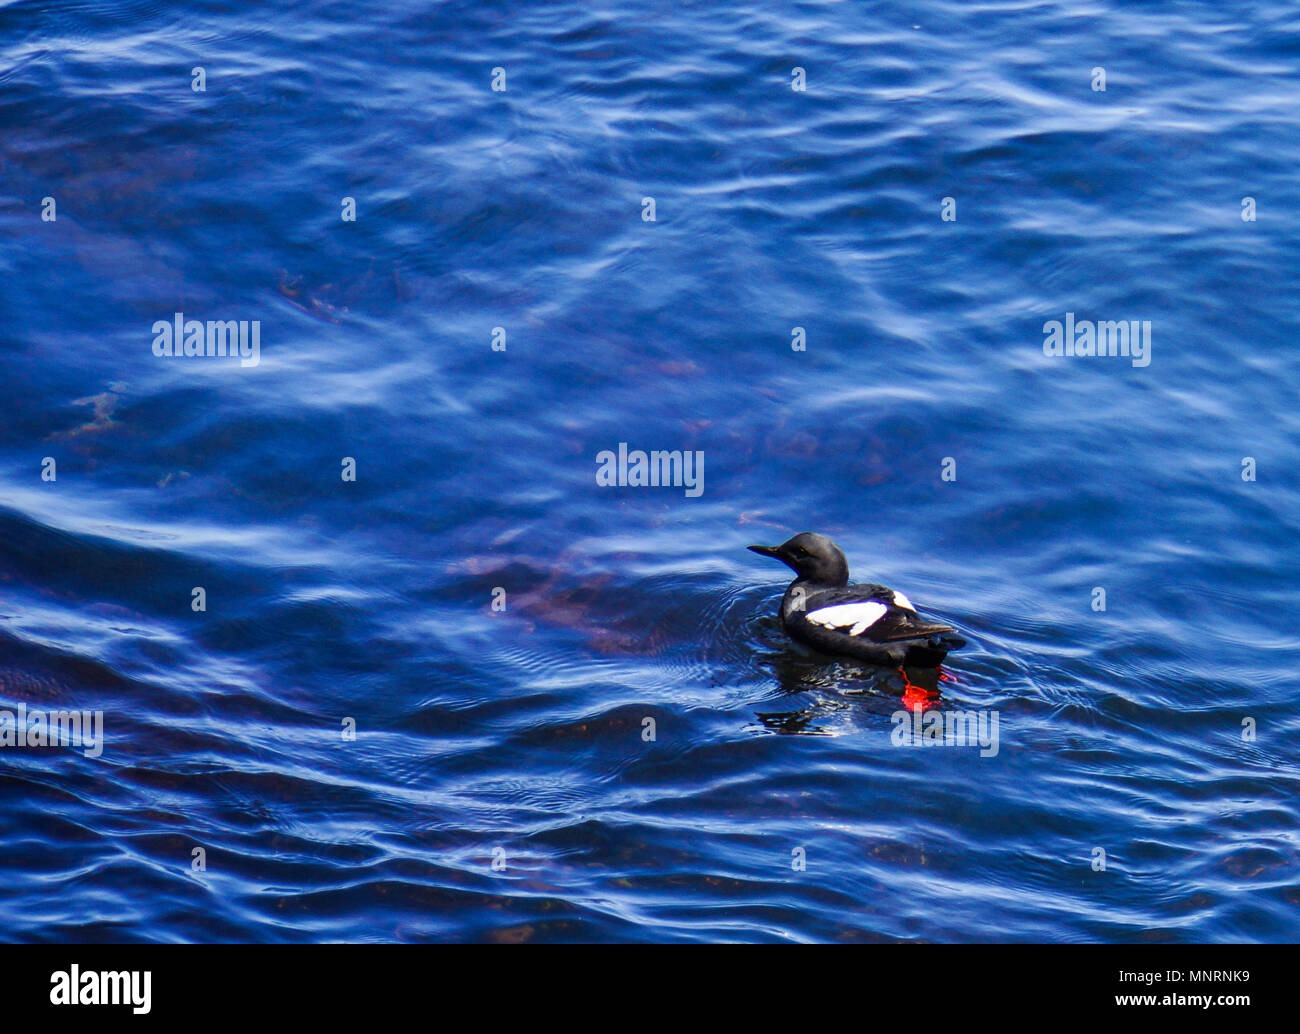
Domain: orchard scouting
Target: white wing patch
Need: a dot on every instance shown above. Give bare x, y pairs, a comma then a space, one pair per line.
902, 601
856, 617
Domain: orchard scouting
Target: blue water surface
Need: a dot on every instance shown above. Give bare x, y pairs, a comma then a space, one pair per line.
630, 750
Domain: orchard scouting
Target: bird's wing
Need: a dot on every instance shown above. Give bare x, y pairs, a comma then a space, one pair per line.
871, 612
853, 618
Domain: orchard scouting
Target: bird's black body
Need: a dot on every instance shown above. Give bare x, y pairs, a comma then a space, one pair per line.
868, 622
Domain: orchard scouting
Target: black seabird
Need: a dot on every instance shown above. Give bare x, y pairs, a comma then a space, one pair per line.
868, 622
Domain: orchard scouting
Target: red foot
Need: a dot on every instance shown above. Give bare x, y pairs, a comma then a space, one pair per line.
914, 695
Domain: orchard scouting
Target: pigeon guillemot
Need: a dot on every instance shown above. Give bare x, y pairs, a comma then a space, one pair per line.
868, 622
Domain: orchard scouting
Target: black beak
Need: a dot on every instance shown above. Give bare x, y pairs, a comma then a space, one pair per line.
772, 551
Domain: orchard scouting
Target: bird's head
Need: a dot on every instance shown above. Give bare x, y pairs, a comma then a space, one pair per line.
811, 556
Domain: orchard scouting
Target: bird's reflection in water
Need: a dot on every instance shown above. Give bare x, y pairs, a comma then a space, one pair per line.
837, 685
